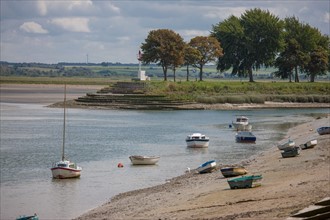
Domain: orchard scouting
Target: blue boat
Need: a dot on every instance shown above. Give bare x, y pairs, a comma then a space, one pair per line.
207, 167
245, 136
323, 130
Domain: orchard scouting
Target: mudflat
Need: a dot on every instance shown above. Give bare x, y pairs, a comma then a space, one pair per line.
42, 93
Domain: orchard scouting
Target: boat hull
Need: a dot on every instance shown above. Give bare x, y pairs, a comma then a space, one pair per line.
245, 182
323, 130
245, 137
233, 171
65, 173
291, 152
207, 167
197, 143
286, 145
309, 144
144, 160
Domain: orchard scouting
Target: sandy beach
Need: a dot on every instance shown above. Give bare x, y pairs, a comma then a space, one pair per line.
289, 184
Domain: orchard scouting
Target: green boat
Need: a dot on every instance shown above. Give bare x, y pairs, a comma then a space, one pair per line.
32, 217
245, 182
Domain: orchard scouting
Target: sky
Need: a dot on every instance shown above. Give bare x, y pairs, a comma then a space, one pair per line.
95, 31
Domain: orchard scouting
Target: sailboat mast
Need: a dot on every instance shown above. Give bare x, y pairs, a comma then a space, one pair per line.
64, 112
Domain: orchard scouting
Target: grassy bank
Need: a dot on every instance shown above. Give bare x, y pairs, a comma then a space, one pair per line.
208, 91
212, 92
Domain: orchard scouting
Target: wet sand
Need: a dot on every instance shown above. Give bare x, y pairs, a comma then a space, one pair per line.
42, 93
289, 185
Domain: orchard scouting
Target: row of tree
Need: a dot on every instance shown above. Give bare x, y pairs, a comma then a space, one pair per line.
243, 44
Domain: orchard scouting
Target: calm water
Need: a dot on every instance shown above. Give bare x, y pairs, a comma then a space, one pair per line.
31, 138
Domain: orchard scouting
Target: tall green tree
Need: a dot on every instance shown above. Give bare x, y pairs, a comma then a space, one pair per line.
303, 44
251, 41
318, 64
262, 38
164, 47
209, 50
230, 32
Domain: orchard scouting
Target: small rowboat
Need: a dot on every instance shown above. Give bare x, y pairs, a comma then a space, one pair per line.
308, 144
233, 171
323, 130
144, 160
207, 167
288, 144
245, 182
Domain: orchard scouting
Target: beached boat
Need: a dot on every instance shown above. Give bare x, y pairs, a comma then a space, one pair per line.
288, 144
197, 140
240, 122
64, 168
290, 152
245, 136
309, 144
144, 160
31, 217
207, 167
323, 130
245, 182
233, 171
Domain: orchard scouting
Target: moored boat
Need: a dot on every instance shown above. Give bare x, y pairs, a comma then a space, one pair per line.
240, 122
245, 136
65, 168
144, 160
197, 140
233, 171
323, 130
207, 167
245, 182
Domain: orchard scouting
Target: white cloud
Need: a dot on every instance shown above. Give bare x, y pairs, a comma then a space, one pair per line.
72, 24
33, 27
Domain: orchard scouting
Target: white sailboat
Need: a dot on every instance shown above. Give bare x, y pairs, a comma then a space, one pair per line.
64, 168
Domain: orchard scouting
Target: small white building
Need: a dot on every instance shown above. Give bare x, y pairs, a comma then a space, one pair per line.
141, 73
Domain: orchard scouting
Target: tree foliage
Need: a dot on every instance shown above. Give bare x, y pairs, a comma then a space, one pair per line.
164, 47
250, 42
209, 50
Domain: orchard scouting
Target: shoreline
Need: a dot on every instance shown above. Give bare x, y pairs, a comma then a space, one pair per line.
51, 95
289, 185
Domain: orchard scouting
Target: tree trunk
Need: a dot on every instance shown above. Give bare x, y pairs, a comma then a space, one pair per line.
296, 78
165, 72
174, 74
312, 77
187, 73
201, 73
290, 80
250, 74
